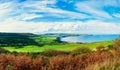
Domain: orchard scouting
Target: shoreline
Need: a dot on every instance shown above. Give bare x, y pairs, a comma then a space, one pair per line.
96, 39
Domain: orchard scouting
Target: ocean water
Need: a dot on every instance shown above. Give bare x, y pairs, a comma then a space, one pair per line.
89, 38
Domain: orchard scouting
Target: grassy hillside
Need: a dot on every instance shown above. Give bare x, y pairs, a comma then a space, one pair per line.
26, 42
63, 47
16, 39
23, 39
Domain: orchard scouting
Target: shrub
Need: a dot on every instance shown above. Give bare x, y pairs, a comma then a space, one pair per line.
101, 48
22, 62
81, 50
110, 46
3, 62
97, 60
2, 50
50, 53
61, 63
108, 64
116, 43
39, 63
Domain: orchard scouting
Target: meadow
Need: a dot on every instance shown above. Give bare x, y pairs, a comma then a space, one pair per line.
62, 47
39, 43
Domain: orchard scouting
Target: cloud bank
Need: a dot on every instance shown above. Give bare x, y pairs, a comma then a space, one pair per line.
60, 16
90, 27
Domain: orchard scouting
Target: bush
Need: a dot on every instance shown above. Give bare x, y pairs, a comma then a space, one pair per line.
101, 48
50, 53
110, 46
61, 62
97, 60
22, 62
116, 43
39, 63
81, 50
2, 50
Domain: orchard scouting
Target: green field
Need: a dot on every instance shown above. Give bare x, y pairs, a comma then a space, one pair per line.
64, 47
26, 42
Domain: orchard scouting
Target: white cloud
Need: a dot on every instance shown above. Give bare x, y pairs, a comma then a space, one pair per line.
16, 10
110, 2
94, 8
116, 15
26, 11
91, 27
25, 16
5, 9
42, 7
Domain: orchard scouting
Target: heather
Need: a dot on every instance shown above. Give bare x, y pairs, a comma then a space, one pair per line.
99, 59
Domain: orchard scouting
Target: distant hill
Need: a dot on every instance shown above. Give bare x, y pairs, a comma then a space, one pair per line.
16, 39
61, 34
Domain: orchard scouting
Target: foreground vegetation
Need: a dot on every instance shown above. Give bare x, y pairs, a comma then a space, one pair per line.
80, 59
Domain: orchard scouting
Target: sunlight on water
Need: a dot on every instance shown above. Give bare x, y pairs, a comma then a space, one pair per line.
89, 38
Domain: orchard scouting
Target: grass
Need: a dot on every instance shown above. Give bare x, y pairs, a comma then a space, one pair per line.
63, 47
12, 43
44, 39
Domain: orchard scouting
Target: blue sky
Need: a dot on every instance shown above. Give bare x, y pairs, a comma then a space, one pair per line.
60, 16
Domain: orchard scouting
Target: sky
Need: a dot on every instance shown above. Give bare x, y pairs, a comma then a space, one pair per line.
60, 16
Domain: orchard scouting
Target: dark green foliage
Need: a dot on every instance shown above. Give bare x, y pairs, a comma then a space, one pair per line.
116, 43
43, 40
50, 53
16, 39
81, 50
100, 48
110, 46
3, 50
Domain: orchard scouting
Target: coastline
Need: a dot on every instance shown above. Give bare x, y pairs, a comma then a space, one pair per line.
87, 38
